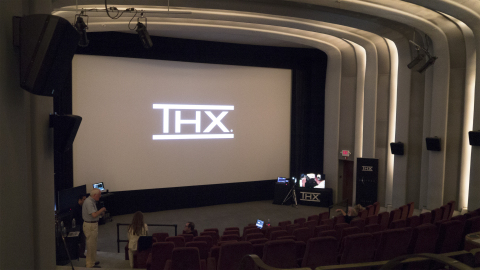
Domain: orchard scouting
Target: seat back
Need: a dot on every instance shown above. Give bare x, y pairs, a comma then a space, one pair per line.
187, 237
321, 228
425, 218
144, 243
395, 215
280, 254
302, 234
231, 237
324, 215
446, 212
360, 223
413, 221
411, 207
372, 228
397, 224
212, 230
272, 229
437, 215
232, 229
452, 209
185, 258
160, 237
252, 236
161, 253
371, 220
284, 224
383, 219
274, 235
247, 228
204, 238
363, 214
377, 207
214, 236
338, 219
328, 222
320, 251
251, 230
423, 239
178, 241
232, 232
349, 231
313, 217
287, 237
358, 248
472, 225
231, 254
339, 228
194, 233
202, 248
403, 212
299, 221
371, 210
311, 225
292, 227
258, 249
258, 241
393, 243
332, 233
449, 236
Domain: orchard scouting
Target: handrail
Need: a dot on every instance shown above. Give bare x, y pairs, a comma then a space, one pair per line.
436, 257
150, 225
250, 259
411, 258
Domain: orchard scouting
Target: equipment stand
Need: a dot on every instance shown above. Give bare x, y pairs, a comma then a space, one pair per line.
291, 194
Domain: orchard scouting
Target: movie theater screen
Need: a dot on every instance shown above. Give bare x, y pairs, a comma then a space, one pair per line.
157, 124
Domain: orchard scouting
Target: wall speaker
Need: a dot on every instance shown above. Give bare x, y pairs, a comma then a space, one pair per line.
65, 129
433, 144
474, 138
47, 45
396, 148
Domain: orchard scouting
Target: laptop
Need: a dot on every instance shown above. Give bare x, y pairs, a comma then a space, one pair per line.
100, 186
259, 223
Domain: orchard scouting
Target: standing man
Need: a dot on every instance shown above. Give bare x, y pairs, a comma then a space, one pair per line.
91, 216
77, 215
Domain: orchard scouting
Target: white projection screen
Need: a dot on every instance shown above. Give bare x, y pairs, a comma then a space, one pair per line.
225, 123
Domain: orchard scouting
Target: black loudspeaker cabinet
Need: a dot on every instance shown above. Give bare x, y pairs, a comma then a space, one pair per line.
281, 191
367, 181
65, 129
474, 138
433, 144
47, 45
396, 148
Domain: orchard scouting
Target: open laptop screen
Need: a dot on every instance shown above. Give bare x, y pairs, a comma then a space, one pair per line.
99, 186
259, 223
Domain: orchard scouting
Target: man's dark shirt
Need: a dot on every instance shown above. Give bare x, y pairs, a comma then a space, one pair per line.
77, 215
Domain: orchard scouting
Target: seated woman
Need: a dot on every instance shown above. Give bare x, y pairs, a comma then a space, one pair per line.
135, 230
352, 212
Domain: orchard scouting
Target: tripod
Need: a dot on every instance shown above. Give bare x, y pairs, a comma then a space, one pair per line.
291, 194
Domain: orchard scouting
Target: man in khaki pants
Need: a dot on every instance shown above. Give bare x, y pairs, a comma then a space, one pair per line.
91, 216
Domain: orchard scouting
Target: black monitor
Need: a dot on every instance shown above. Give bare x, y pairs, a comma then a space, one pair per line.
68, 198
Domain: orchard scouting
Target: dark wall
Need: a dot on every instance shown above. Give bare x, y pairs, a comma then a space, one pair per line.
307, 121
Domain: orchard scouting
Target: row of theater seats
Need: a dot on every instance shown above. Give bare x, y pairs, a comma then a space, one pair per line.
364, 239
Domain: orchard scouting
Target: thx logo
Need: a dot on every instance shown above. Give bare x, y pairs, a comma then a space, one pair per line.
310, 197
367, 168
199, 134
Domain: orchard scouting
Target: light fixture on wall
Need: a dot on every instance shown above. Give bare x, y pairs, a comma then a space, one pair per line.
421, 53
81, 28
